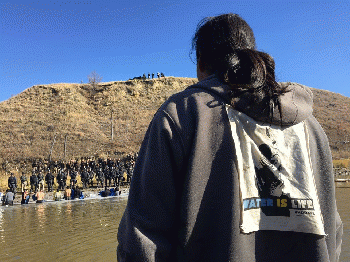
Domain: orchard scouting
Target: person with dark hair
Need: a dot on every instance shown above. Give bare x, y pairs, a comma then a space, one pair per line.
25, 197
24, 182
60, 179
57, 196
77, 193
100, 177
40, 196
91, 176
64, 177
113, 176
106, 192
41, 184
84, 178
67, 193
33, 182
49, 178
9, 197
195, 193
117, 190
12, 183
73, 178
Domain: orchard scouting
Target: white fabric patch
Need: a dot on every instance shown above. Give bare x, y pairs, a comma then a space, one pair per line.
277, 186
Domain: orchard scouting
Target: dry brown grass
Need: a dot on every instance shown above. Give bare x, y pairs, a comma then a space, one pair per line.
333, 112
341, 163
30, 121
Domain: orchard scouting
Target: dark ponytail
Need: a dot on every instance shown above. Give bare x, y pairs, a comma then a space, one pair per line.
225, 44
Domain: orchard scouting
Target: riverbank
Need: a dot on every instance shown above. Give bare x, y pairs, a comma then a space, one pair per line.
49, 196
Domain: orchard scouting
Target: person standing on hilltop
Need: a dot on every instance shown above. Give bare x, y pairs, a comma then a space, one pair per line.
233, 168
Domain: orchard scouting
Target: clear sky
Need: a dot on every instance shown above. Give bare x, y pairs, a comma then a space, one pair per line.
44, 42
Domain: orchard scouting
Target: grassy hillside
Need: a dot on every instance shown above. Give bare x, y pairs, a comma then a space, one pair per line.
333, 112
74, 120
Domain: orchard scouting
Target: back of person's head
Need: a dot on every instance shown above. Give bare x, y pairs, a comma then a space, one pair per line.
225, 46
220, 35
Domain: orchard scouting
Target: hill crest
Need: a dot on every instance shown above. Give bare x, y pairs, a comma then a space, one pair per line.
74, 120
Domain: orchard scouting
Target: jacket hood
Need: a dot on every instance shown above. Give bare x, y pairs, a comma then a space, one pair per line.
296, 104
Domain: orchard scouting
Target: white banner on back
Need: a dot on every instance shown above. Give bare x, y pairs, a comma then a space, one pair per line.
277, 186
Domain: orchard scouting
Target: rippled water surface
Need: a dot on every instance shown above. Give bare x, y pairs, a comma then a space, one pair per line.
86, 230
343, 203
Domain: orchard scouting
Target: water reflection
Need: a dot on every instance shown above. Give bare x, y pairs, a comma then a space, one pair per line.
41, 217
86, 230
1, 217
65, 231
343, 200
2, 240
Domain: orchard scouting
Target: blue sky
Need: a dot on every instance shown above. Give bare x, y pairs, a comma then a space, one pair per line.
44, 42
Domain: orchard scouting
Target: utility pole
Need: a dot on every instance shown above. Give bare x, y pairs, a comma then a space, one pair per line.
53, 143
65, 147
112, 128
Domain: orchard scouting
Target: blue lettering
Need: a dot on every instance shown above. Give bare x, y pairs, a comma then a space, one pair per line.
269, 202
258, 200
246, 203
252, 204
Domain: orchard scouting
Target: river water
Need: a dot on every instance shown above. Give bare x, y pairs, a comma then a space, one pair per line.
343, 203
86, 230
82, 230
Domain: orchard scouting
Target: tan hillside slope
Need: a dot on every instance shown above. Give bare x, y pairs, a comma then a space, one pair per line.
332, 110
75, 120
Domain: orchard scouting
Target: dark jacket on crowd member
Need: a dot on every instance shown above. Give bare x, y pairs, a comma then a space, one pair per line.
12, 181
9, 198
33, 179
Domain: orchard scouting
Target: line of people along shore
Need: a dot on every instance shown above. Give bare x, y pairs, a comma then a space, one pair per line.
109, 174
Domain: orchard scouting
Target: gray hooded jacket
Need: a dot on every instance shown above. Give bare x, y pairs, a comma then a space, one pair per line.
184, 201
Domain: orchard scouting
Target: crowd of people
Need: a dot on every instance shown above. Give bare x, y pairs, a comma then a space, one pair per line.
149, 76
108, 173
